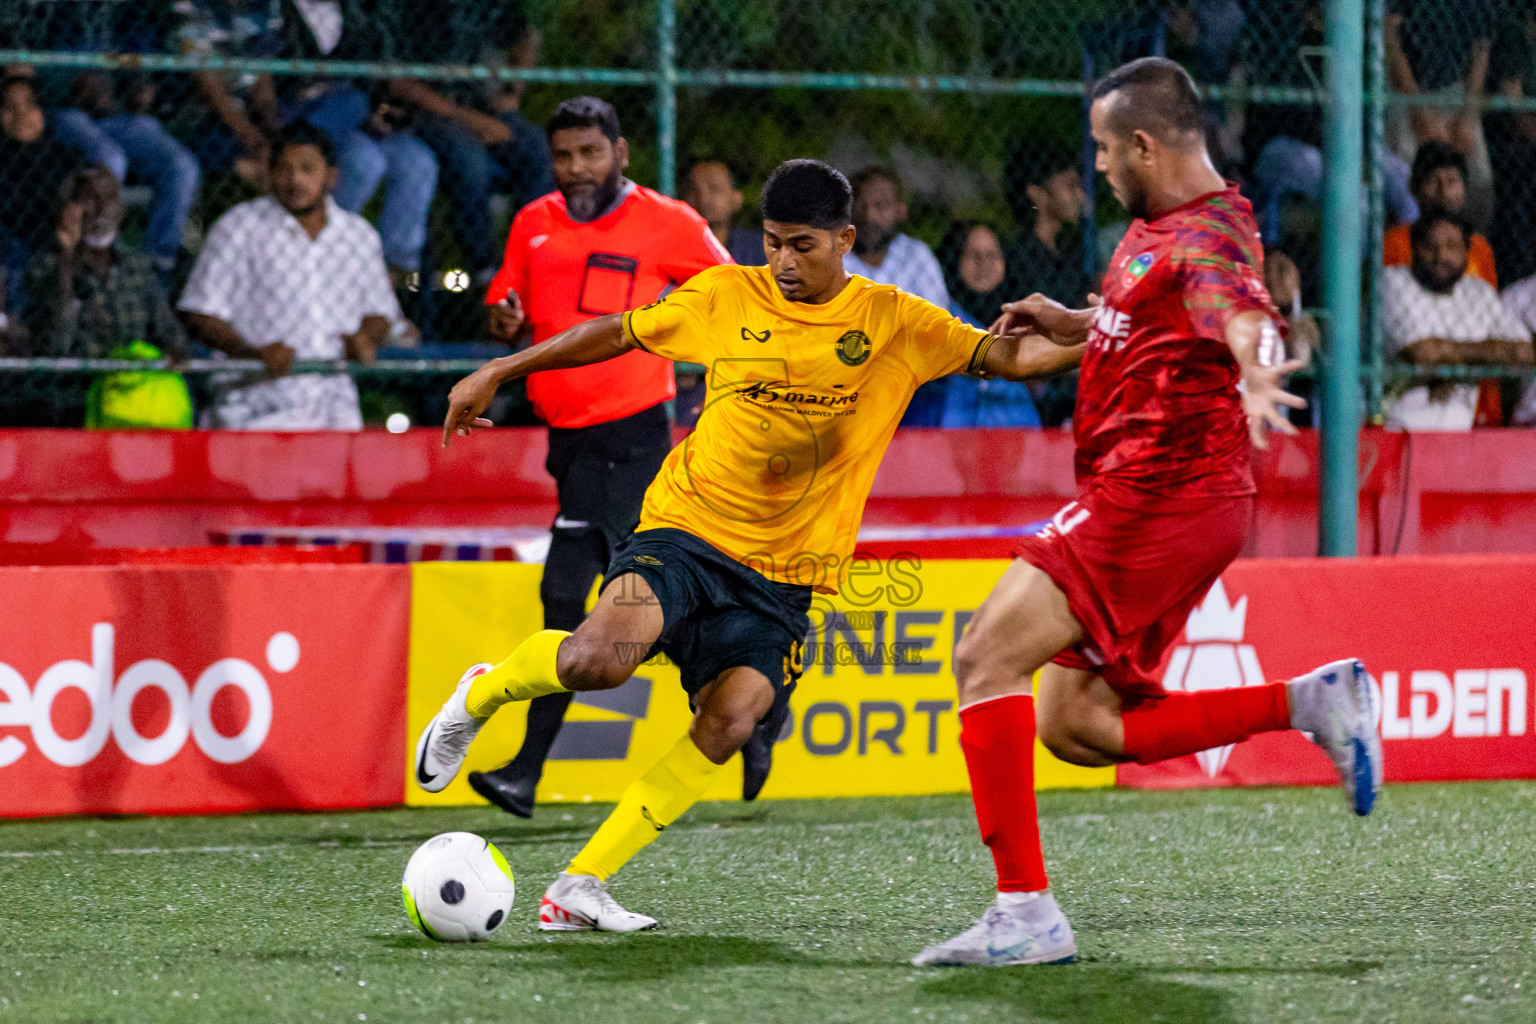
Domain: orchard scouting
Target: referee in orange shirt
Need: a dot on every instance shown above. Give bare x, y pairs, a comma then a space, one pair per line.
600, 244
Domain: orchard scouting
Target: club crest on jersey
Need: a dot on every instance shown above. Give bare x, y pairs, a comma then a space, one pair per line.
853, 348
1137, 268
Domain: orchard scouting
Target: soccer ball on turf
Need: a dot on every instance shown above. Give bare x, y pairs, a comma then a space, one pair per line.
457, 887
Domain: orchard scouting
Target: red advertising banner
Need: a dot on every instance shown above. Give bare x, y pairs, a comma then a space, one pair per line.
1449, 641
128, 690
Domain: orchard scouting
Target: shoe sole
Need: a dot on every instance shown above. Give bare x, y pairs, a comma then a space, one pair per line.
1366, 755
1070, 958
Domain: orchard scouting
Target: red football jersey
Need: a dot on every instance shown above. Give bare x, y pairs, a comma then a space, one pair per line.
566, 272
1158, 410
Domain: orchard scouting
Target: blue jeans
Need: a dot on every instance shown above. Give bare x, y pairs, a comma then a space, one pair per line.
472, 171
139, 143
401, 163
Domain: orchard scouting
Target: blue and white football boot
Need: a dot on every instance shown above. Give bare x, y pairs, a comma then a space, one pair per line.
1338, 706
1034, 931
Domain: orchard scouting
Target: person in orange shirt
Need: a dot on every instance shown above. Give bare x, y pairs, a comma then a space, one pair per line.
1439, 182
598, 245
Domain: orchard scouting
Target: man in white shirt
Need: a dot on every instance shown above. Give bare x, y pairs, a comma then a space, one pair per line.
1435, 314
880, 251
291, 276
1520, 299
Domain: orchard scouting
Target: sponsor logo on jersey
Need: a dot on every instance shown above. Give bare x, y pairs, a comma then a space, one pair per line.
853, 348
747, 334
768, 392
1137, 269
648, 560
1110, 330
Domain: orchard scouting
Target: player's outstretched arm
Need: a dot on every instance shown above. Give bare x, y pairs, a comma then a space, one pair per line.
591, 342
1025, 355
1048, 318
1258, 349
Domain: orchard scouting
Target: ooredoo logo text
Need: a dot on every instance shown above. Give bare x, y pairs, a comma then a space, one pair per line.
111, 696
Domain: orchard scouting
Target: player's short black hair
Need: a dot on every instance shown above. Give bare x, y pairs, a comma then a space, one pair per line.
879, 172
302, 133
808, 192
1419, 232
586, 112
1433, 156
1157, 96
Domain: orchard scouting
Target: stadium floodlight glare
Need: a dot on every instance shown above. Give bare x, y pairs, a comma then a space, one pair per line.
456, 281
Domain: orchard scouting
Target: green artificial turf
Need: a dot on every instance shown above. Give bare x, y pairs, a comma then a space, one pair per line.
1262, 905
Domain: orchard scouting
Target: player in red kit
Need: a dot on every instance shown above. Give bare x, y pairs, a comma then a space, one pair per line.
1180, 373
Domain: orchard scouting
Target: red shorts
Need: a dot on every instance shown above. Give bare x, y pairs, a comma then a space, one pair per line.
1132, 574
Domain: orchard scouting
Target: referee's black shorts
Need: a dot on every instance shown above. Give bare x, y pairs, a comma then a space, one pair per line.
601, 473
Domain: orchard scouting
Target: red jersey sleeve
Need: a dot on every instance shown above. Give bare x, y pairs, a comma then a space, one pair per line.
1221, 265
694, 247
513, 275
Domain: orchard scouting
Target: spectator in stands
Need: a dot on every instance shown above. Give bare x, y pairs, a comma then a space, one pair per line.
1282, 279
1435, 313
1439, 182
1512, 147
125, 138
1040, 260
976, 275
371, 134
1520, 299
880, 251
1447, 58
32, 164
291, 276
483, 142
713, 192
88, 293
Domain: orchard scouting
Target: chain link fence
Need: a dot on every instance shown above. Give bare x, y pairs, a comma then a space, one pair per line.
165, 116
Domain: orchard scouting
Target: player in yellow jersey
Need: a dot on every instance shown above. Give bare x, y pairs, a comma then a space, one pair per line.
810, 371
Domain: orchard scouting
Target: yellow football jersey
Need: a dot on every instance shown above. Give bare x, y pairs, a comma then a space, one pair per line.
801, 403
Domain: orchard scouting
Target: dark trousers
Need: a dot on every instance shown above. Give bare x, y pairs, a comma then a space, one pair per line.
601, 473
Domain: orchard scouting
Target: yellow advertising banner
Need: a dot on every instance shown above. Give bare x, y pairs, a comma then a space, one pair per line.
874, 715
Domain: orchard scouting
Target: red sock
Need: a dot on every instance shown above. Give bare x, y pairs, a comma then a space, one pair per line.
1187, 723
998, 738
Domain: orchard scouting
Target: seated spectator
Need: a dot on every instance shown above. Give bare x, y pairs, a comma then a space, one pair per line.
373, 144
291, 276
712, 191
1520, 299
125, 139
1435, 313
1040, 260
1439, 181
483, 142
1282, 279
88, 293
1512, 147
976, 275
32, 164
880, 251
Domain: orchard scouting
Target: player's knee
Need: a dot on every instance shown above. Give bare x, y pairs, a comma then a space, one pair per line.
970, 653
585, 664
722, 732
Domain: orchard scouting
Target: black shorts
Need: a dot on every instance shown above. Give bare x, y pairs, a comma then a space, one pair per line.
718, 614
601, 472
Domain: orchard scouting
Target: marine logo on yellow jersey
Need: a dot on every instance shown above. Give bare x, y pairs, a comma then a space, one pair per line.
853, 348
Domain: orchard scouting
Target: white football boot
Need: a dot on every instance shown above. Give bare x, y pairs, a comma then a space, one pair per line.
440, 750
581, 903
1337, 705
1034, 932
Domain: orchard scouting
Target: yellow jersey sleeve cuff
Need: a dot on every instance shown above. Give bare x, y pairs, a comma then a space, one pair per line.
629, 332
979, 358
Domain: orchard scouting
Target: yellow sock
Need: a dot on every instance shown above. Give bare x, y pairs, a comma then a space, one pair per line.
651, 803
528, 673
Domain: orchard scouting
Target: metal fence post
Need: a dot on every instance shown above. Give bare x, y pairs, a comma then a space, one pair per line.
1375, 136
666, 97
1342, 143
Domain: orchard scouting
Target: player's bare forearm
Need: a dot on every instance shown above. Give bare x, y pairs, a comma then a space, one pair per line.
1260, 354
1030, 357
594, 341
1049, 319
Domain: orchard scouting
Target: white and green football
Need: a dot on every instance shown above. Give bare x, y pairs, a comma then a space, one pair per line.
457, 887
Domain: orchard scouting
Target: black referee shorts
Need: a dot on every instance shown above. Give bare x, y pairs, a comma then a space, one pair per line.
601, 473
717, 613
